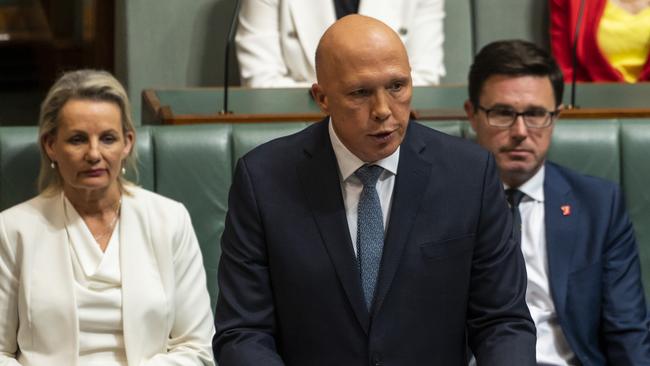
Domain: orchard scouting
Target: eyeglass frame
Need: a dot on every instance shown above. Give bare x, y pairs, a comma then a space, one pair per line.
550, 117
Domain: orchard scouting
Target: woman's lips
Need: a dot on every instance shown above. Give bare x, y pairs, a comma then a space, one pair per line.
94, 172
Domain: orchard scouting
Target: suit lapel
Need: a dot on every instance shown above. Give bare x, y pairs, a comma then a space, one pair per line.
410, 184
141, 283
320, 181
560, 210
309, 29
52, 283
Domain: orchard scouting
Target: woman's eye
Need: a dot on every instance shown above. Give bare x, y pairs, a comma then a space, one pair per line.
76, 140
109, 139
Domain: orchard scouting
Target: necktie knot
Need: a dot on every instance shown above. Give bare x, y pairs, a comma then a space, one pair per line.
514, 197
369, 174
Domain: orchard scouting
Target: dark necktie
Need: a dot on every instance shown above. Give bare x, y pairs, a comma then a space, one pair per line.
514, 197
370, 230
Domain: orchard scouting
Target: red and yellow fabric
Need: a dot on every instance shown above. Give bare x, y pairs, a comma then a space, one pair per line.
600, 56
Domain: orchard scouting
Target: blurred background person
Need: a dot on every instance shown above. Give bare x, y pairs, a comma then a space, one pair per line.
613, 41
277, 39
95, 270
584, 288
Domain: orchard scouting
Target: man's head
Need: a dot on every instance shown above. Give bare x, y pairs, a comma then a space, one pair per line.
515, 92
364, 85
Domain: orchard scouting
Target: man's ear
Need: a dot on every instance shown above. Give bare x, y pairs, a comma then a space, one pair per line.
470, 111
320, 98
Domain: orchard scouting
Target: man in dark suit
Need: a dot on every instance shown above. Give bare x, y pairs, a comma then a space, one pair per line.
584, 287
365, 239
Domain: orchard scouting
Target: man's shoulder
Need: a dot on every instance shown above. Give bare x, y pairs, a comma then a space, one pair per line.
587, 188
289, 144
578, 179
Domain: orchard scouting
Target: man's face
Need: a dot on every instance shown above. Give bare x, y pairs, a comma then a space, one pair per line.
519, 150
367, 92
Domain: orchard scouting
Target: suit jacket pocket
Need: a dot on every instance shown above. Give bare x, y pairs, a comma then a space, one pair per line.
448, 247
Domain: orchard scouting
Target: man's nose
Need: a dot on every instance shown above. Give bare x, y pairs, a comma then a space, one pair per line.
380, 107
519, 130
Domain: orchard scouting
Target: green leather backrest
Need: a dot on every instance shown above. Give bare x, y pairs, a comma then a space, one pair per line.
19, 164
247, 136
454, 128
193, 166
194, 163
588, 146
635, 138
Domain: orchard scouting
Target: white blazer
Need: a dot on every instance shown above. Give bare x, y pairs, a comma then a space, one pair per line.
277, 39
166, 312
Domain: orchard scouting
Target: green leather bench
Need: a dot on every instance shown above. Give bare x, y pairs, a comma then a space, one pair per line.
194, 164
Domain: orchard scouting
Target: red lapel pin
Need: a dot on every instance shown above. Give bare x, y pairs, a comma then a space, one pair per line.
566, 210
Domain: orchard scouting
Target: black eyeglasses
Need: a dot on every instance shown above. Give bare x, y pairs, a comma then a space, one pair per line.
503, 117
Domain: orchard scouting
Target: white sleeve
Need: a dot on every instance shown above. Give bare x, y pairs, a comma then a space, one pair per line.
190, 338
261, 63
425, 42
9, 279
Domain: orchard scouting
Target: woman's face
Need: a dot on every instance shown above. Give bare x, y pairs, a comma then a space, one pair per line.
89, 145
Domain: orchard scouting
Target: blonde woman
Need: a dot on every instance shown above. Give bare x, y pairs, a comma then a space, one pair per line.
95, 270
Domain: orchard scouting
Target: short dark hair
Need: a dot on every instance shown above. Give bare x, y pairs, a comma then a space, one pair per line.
513, 58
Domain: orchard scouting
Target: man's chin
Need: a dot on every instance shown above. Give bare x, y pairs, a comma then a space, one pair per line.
516, 173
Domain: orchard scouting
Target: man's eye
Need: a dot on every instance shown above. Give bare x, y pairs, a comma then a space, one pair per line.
395, 87
359, 93
503, 112
536, 113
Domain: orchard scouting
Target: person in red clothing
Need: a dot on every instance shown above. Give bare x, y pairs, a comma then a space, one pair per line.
613, 43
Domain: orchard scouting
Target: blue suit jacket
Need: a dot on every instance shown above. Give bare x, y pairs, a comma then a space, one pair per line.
290, 291
594, 270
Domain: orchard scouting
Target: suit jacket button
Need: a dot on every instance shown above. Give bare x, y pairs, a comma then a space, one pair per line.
292, 34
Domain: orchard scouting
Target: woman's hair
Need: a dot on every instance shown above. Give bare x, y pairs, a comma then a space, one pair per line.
92, 85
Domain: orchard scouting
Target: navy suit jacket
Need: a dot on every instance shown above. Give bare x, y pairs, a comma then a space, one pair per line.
593, 264
290, 291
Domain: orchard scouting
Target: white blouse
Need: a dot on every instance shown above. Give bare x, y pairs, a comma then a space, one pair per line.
98, 293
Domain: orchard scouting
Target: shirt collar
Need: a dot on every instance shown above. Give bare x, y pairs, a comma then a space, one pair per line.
349, 163
533, 187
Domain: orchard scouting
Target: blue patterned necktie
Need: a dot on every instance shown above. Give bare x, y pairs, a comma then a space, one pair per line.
514, 197
370, 230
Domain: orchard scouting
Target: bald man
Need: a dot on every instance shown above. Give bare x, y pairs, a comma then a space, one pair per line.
366, 239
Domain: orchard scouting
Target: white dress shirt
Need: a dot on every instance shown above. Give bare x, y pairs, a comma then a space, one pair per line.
98, 293
552, 347
351, 186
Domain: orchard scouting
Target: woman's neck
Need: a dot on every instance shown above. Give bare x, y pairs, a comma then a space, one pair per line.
96, 202
632, 6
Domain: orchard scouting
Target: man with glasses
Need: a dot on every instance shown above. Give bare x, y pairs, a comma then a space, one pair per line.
584, 287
